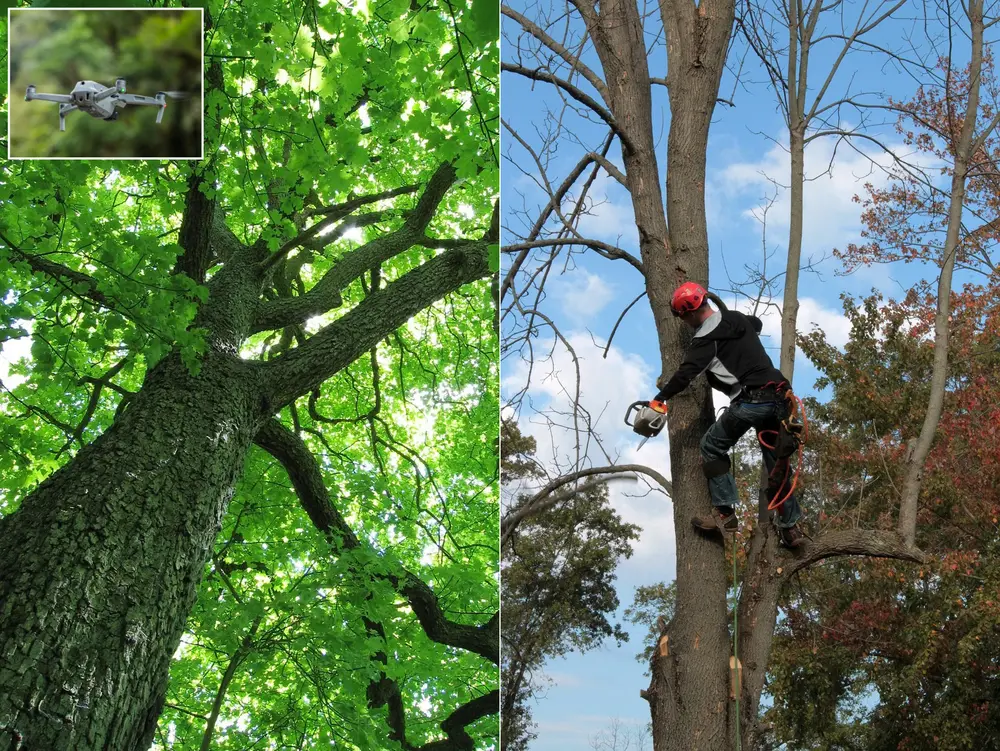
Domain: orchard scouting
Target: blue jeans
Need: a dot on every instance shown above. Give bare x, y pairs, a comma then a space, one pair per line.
738, 418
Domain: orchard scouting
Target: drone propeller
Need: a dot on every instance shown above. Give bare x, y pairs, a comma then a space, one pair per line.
174, 94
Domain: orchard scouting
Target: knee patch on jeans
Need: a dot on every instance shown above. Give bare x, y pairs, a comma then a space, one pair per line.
715, 467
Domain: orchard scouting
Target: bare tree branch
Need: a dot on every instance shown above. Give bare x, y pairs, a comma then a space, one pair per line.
549, 495
874, 544
607, 250
537, 74
571, 59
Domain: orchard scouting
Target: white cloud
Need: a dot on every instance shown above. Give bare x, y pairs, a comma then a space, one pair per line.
610, 216
831, 218
582, 295
832, 322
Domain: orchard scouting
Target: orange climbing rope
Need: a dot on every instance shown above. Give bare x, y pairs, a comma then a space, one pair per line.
796, 428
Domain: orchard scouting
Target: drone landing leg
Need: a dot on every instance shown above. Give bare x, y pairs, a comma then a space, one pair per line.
62, 121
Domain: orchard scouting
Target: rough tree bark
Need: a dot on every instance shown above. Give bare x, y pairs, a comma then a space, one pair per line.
688, 689
100, 565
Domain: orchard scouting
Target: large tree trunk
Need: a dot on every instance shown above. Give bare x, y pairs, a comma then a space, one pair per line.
688, 692
100, 566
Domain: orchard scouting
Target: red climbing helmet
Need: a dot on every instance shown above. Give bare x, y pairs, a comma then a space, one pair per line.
689, 296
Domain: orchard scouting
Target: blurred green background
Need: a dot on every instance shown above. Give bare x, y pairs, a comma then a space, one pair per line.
155, 50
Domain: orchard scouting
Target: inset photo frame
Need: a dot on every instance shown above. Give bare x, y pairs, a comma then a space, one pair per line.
105, 83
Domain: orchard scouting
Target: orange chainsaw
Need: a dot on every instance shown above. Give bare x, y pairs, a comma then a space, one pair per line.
649, 420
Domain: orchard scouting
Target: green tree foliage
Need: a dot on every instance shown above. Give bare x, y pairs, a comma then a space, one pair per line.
922, 641
557, 584
154, 50
318, 286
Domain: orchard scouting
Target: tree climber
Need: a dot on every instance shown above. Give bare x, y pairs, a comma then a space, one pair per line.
726, 347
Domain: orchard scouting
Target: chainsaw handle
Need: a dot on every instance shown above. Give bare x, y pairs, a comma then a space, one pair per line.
654, 405
634, 406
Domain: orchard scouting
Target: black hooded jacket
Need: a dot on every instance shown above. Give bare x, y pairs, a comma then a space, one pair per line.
727, 349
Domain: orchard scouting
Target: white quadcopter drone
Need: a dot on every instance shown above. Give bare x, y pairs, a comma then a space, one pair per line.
102, 101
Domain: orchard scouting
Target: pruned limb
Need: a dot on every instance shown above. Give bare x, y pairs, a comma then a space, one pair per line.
339, 344
307, 480
555, 492
875, 544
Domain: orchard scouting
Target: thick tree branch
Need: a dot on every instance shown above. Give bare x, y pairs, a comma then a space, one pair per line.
225, 243
454, 725
611, 252
325, 294
196, 231
875, 544
338, 345
307, 480
345, 208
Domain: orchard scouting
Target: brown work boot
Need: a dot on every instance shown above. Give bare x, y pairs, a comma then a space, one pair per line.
792, 537
717, 522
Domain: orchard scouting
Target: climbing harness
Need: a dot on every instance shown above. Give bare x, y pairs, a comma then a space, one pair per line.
650, 419
789, 439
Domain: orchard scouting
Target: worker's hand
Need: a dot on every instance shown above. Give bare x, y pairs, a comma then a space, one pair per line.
656, 406
662, 380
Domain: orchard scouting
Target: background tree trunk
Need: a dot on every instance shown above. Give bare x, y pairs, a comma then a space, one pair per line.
968, 143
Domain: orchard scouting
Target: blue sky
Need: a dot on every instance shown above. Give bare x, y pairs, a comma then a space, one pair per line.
745, 158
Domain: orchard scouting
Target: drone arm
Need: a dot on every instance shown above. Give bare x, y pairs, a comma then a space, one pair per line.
61, 98
139, 99
101, 95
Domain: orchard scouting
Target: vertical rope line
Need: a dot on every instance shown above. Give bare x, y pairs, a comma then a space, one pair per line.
736, 666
